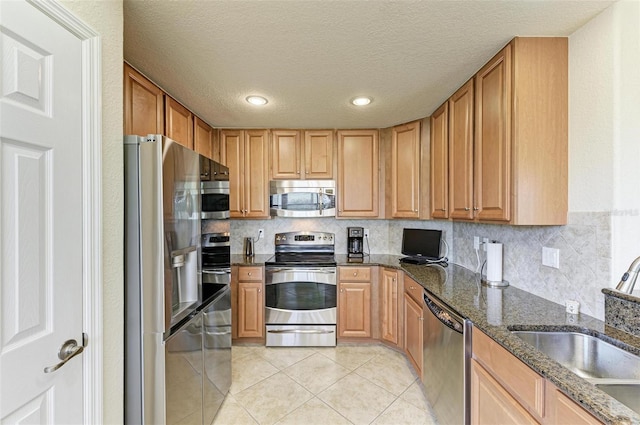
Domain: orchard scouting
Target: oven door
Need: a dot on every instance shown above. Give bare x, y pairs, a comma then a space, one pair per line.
214, 196
300, 295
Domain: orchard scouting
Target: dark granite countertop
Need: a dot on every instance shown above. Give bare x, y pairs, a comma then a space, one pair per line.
498, 311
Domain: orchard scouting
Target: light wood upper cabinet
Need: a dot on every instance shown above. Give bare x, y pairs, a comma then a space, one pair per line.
358, 184
178, 123
461, 153
286, 154
508, 138
318, 154
389, 323
293, 157
439, 180
405, 171
493, 139
204, 140
143, 104
246, 153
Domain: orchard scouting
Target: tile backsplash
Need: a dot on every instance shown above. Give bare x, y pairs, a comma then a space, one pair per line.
585, 257
584, 245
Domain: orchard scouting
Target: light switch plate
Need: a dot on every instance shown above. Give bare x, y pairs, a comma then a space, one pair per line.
551, 257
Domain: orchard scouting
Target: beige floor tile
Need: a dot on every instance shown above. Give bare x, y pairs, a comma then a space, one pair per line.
415, 396
403, 413
273, 398
240, 351
357, 399
316, 372
283, 357
389, 370
314, 412
352, 357
232, 413
249, 370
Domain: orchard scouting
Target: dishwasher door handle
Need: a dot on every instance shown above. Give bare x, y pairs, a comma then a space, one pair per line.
443, 315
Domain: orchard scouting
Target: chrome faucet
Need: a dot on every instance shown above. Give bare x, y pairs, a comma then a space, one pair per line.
628, 280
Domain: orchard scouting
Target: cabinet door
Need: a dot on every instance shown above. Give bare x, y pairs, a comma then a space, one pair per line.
318, 153
560, 409
143, 104
492, 164
286, 154
179, 123
358, 185
256, 176
389, 306
439, 180
203, 138
232, 155
413, 326
461, 153
491, 404
250, 310
354, 309
405, 171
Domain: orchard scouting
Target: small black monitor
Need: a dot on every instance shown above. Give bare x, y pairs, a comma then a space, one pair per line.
421, 243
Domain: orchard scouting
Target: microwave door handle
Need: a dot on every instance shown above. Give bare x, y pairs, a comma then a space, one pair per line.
320, 201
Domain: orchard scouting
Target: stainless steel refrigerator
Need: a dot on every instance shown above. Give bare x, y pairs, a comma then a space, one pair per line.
166, 321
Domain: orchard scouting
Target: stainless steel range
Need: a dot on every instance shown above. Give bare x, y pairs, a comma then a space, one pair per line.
301, 290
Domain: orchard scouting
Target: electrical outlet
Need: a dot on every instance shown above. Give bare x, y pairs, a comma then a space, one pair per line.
551, 257
260, 233
485, 241
476, 242
366, 233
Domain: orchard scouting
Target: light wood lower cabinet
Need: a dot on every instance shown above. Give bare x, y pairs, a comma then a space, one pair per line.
491, 404
248, 302
505, 390
413, 323
389, 323
354, 302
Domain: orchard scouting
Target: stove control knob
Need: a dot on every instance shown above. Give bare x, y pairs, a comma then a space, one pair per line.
284, 238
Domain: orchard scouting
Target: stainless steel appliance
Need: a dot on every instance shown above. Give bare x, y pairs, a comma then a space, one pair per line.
167, 308
446, 337
216, 320
214, 189
355, 239
301, 290
302, 198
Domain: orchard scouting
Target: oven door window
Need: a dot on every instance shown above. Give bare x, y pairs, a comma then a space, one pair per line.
215, 205
301, 296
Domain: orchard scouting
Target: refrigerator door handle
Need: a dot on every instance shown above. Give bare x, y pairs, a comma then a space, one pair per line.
178, 257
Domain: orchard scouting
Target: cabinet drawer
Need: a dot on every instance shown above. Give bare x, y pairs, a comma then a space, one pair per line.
355, 274
519, 379
414, 290
249, 273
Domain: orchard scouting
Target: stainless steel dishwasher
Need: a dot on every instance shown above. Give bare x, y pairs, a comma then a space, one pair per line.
444, 364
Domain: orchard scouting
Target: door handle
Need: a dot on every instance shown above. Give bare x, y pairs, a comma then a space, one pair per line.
69, 350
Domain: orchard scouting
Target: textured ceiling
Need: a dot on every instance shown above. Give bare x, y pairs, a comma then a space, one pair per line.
309, 58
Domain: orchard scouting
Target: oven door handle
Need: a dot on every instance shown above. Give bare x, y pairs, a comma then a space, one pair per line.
283, 269
299, 331
223, 271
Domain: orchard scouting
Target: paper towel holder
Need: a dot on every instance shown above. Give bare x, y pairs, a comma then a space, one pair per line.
493, 284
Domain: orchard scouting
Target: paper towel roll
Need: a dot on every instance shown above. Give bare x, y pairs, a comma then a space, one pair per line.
494, 262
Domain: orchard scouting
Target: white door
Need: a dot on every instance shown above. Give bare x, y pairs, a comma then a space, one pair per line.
41, 217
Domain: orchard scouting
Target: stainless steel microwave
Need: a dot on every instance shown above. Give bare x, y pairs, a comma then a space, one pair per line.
302, 198
214, 189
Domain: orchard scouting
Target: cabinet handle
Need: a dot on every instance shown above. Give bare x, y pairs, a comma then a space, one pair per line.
259, 290
342, 290
297, 172
416, 210
420, 318
355, 273
467, 208
248, 273
442, 209
476, 208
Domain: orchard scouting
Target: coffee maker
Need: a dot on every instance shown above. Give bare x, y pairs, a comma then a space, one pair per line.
355, 238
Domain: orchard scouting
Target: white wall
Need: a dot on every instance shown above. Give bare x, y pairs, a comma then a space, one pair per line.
106, 18
604, 126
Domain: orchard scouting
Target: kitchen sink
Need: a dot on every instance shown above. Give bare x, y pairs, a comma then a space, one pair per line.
627, 394
612, 369
585, 355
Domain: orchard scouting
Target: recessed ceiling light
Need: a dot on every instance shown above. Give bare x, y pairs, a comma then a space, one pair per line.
257, 100
361, 101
